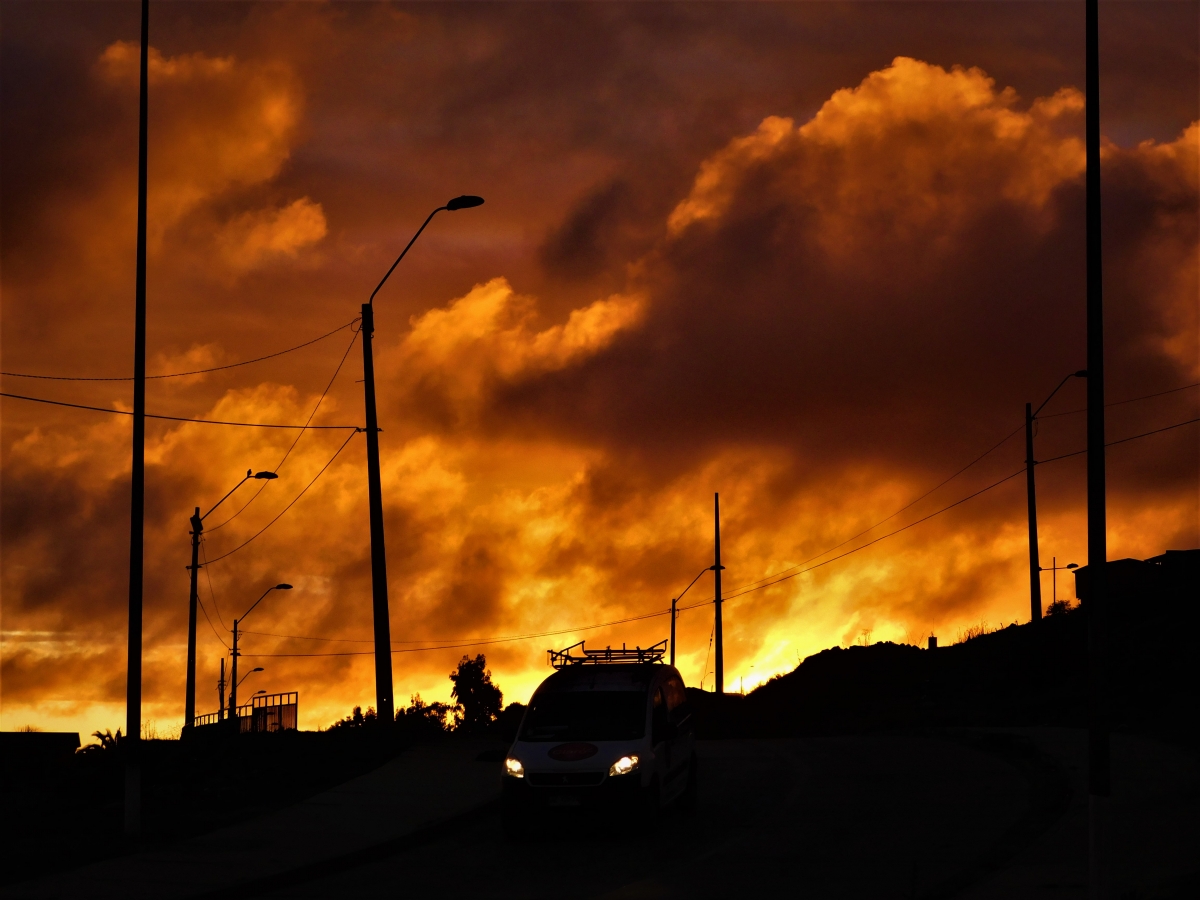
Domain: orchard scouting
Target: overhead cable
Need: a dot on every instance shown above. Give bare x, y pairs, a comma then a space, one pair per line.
123, 412
289, 506
666, 612
279, 465
193, 372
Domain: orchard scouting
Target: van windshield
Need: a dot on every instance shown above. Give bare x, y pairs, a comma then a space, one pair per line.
586, 716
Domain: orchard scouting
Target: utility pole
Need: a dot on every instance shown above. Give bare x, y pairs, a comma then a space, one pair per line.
197, 520
1099, 786
1035, 566
221, 693
137, 501
379, 585
233, 681
717, 567
674, 600
189, 702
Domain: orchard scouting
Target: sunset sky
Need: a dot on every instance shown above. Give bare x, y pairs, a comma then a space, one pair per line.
814, 256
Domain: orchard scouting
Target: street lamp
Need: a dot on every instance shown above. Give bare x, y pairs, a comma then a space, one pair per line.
1035, 580
189, 703
234, 680
251, 672
379, 588
1056, 568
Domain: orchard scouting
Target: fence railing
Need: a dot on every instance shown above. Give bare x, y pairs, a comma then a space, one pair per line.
264, 712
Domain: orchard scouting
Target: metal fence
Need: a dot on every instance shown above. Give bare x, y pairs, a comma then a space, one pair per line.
270, 712
265, 712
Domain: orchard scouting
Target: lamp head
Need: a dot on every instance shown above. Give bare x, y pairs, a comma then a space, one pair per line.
466, 201
264, 476
1072, 565
1082, 373
283, 587
257, 669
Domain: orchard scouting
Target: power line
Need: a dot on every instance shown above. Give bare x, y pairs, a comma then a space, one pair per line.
1072, 412
262, 487
942, 510
888, 518
211, 592
181, 374
289, 506
466, 642
210, 624
667, 612
122, 412
1134, 437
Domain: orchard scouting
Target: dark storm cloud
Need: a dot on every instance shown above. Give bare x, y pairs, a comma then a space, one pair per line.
570, 371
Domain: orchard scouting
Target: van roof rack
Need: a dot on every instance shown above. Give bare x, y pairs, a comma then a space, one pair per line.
561, 659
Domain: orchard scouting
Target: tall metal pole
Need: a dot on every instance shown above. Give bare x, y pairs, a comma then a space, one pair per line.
137, 502
1099, 786
379, 585
189, 702
718, 638
1035, 566
233, 681
221, 693
674, 600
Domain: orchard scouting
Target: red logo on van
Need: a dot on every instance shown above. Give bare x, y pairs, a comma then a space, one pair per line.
572, 752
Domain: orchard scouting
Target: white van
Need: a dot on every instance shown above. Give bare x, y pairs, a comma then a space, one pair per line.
603, 731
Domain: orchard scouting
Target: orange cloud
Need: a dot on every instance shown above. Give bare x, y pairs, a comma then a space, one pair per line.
819, 316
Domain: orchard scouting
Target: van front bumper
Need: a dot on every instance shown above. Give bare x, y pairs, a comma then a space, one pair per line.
547, 791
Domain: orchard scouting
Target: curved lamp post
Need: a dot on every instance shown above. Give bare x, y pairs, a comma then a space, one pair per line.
379, 588
234, 680
189, 703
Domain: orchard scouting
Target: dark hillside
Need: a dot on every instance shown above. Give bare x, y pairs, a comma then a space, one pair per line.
1032, 674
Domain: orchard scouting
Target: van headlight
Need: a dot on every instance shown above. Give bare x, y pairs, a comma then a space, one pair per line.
624, 766
513, 768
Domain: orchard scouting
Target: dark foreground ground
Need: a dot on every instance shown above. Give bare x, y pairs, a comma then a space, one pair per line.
965, 814
66, 813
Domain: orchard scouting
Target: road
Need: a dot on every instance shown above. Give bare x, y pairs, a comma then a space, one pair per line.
825, 817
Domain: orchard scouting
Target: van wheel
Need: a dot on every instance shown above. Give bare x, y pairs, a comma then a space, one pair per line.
687, 800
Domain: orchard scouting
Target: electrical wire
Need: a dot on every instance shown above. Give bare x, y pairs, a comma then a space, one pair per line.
194, 372
892, 516
667, 612
940, 511
211, 592
123, 412
1042, 462
465, 642
262, 487
210, 624
289, 506
1072, 412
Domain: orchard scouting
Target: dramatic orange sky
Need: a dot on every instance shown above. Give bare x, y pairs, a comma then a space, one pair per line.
814, 256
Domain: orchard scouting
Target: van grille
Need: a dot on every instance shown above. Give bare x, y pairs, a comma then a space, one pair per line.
560, 779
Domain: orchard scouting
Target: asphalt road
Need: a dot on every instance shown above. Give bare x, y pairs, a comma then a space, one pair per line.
877, 818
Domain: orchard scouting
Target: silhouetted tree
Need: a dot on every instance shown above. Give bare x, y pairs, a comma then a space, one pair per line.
510, 721
108, 741
421, 720
480, 700
356, 719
